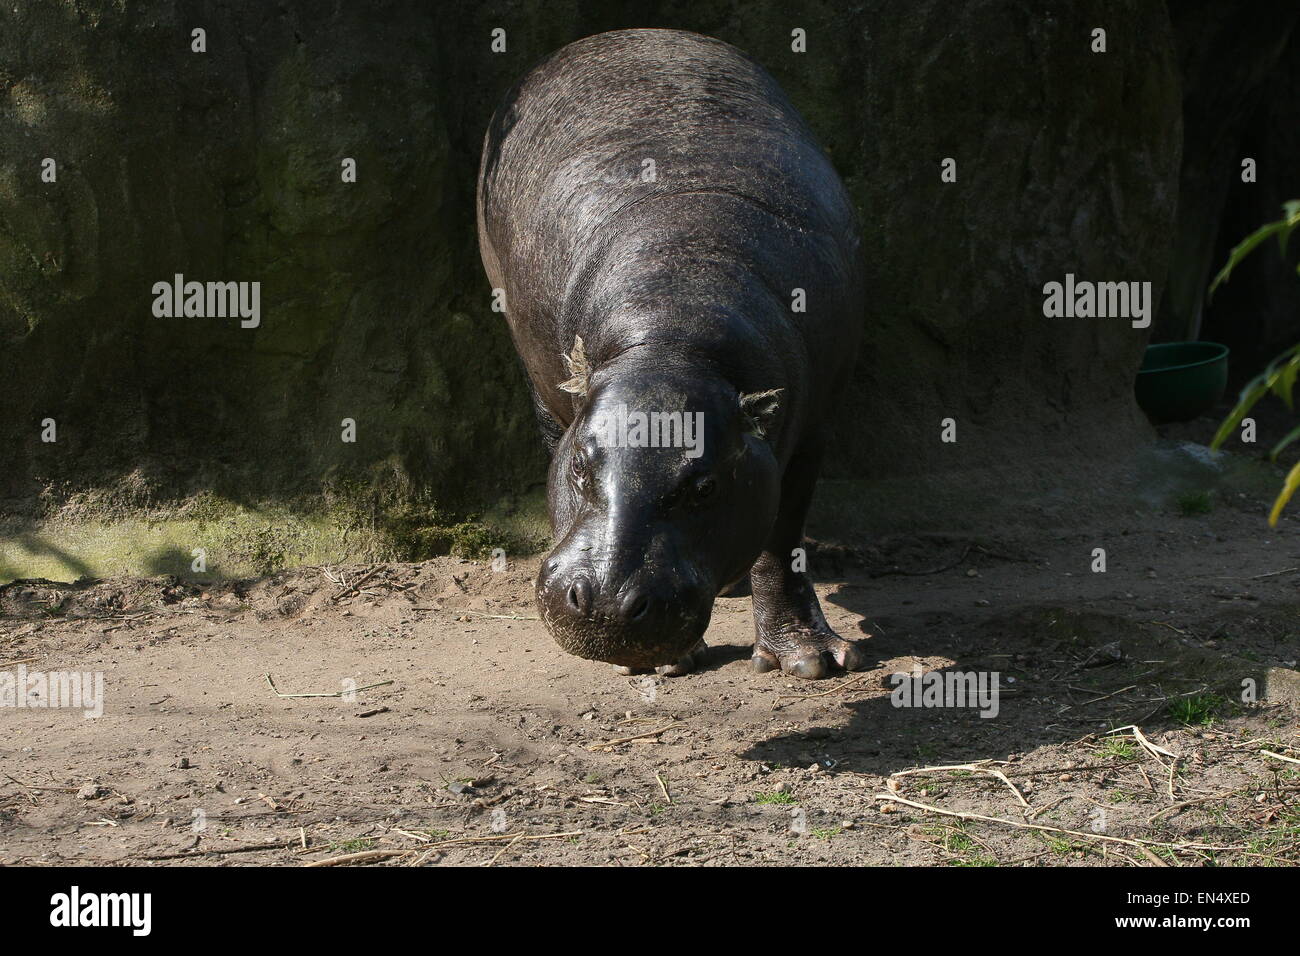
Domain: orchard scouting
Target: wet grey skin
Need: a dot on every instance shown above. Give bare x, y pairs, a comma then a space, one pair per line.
670, 288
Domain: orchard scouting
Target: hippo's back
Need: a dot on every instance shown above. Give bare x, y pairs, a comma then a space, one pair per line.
618, 118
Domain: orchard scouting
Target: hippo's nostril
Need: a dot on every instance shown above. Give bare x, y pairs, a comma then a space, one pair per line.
636, 606
580, 596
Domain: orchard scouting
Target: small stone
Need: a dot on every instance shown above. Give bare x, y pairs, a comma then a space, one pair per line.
183, 763
972, 573
90, 792
782, 787
1065, 777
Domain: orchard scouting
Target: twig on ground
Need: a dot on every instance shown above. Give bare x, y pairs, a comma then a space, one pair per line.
504, 849
1034, 813
367, 855
31, 786
1105, 838
496, 617
1147, 745
363, 857
1273, 574
1097, 699
622, 740
664, 787
1151, 856
337, 693
357, 583
1269, 753
776, 704
221, 851
973, 768
1189, 803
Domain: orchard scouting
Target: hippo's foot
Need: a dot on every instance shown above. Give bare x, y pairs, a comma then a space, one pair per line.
684, 665
808, 651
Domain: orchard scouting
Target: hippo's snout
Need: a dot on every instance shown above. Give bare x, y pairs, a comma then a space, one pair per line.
643, 620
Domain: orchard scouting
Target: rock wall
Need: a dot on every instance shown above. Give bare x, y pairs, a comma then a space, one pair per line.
225, 165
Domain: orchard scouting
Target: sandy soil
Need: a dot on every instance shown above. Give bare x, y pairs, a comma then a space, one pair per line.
488, 745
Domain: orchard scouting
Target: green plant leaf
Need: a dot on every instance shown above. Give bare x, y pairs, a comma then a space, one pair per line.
1280, 446
1282, 229
1288, 489
1283, 382
1279, 377
1243, 249
1254, 390
1291, 216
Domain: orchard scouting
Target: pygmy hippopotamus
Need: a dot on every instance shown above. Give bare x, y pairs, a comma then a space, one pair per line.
681, 273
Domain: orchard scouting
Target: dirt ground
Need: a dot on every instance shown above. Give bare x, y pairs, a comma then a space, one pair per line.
485, 744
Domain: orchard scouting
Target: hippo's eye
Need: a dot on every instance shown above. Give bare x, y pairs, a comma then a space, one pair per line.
705, 487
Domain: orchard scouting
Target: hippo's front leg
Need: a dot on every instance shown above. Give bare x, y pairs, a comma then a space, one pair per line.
790, 629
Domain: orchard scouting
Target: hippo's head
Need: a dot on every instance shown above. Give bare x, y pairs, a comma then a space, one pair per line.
662, 492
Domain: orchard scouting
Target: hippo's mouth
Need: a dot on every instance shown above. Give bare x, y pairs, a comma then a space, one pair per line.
605, 643
598, 638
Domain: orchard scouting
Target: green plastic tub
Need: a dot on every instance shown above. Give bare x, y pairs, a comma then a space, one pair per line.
1180, 380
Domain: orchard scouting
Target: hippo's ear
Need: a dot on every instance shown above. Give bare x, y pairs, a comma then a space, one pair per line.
579, 370
761, 411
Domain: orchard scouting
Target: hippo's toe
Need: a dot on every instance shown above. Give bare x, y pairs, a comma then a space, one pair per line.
810, 667
808, 654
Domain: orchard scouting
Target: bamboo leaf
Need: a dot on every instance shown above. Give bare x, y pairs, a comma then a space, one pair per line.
1243, 249
1256, 389
1282, 229
1291, 216
1284, 382
1288, 489
1280, 446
